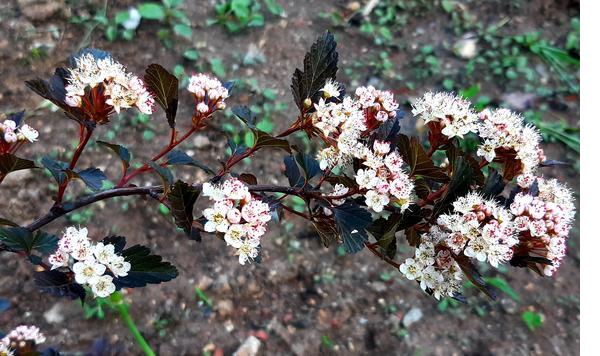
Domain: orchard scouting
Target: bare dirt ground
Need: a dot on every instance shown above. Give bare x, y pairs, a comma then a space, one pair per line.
301, 291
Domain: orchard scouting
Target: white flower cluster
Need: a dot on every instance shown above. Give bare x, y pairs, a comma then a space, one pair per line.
242, 218
544, 221
436, 271
479, 227
504, 132
89, 261
345, 125
384, 179
453, 113
20, 337
209, 92
122, 89
10, 133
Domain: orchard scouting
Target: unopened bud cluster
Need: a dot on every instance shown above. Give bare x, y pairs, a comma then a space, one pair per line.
209, 93
21, 340
12, 133
95, 264
238, 215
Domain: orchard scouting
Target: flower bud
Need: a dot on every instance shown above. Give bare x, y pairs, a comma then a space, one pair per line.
307, 103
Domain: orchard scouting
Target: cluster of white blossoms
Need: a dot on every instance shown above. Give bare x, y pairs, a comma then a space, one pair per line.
454, 114
11, 133
121, 89
384, 178
503, 131
90, 261
209, 92
236, 213
345, 126
433, 270
479, 227
544, 221
19, 338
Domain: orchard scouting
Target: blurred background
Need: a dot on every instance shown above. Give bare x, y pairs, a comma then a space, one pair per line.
303, 299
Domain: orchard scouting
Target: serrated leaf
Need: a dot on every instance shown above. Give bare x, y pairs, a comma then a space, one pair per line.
145, 269
56, 168
352, 221
309, 165
121, 151
11, 163
164, 173
59, 284
19, 239
320, 63
420, 164
246, 115
263, 139
54, 91
293, 172
117, 241
92, 177
182, 198
165, 87
494, 184
460, 181
466, 265
178, 157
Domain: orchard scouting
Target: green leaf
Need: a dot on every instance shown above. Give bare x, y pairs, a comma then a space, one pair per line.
20, 239
151, 11
532, 319
182, 198
183, 30
470, 92
165, 88
122, 152
320, 63
217, 67
145, 269
191, 54
352, 221
274, 7
11, 163
503, 285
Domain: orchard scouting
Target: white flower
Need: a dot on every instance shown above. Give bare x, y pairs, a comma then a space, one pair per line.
376, 201
217, 218
81, 250
366, 178
133, 21
59, 259
381, 147
235, 189
331, 89
28, 133
235, 235
119, 267
103, 286
104, 253
88, 271
248, 250
411, 269
338, 190
256, 212
430, 278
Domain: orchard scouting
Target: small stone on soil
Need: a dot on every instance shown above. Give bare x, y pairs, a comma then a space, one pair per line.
414, 314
